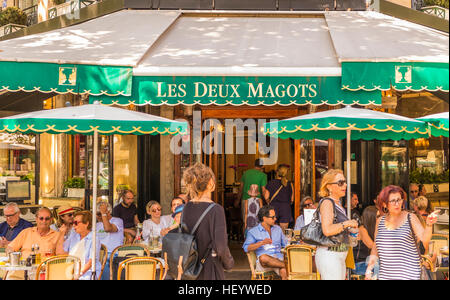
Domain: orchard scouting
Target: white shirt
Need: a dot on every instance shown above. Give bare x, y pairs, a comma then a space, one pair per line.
111, 239
167, 219
150, 228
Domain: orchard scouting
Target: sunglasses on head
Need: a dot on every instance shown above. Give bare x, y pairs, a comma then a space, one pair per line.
340, 182
46, 218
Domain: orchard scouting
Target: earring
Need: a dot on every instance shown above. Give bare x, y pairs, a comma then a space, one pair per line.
385, 210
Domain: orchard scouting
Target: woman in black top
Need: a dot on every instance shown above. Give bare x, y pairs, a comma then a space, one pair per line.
211, 233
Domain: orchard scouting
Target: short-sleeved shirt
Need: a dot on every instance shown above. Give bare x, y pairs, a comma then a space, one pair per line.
86, 250
111, 239
30, 236
11, 233
258, 234
250, 177
126, 214
150, 228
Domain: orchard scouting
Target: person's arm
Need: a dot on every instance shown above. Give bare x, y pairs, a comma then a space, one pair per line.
292, 194
424, 234
373, 258
107, 225
365, 237
221, 239
239, 196
136, 219
253, 247
266, 195
245, 203
327, 217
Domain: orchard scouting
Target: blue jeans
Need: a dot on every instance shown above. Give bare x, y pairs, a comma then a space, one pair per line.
360, 268
105, 275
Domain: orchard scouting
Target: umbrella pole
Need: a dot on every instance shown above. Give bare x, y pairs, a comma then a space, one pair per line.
349, 178
94, 205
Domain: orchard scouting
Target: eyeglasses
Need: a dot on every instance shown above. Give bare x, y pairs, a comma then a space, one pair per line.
46, 218
308, 205
272, 217
75, 223
156, 209
395, 201
340, 182
9, 216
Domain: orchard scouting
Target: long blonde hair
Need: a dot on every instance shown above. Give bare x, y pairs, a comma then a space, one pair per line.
282, 172
328, 178
197, 178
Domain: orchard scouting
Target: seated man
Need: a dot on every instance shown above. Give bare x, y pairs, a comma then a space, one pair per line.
109, 232
13, 225
41, 235
127, 211
266, 240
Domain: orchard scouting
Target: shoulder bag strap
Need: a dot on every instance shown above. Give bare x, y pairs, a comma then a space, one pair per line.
414, 235
201, 218
276, 193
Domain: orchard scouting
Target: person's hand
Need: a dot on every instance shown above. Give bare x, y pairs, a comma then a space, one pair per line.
103, 209
164, 231
63, 229
432, 218
368, 276
351, 223
76, 276
266, 241
3, 242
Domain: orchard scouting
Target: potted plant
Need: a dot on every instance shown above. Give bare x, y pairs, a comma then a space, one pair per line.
432, 181
75, 187
12, 15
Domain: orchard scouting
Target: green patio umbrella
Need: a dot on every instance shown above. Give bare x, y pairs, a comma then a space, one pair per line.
438, 123
91, 119
351, 124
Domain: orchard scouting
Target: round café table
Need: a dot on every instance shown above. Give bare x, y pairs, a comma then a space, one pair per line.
26, 269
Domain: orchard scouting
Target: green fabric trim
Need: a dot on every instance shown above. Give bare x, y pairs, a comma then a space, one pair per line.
361, 129
412, 76
235, 90
65, 78
56, 126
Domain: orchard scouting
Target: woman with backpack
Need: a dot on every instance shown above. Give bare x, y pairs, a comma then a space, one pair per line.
211, 235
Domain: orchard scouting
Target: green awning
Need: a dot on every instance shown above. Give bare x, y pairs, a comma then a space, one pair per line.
238, 90
411, 76
65, 78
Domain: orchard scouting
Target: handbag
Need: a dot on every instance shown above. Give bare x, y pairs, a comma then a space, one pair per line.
312, 233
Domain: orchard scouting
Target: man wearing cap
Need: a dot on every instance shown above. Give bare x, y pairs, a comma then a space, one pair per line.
13, 225
65, 219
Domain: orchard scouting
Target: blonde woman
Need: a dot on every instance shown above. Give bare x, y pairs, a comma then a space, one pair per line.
330, 261
155, 224
211, 235
280, 195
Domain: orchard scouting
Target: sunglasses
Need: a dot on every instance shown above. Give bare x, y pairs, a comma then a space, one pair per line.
69, 215
308, 205
156, 209
340, 182
46, 218
272, 217
9, 216
75, 223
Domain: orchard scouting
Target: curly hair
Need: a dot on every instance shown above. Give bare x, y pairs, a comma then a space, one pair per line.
196, 178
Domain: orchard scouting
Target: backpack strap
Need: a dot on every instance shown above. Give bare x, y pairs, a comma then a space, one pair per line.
201, 217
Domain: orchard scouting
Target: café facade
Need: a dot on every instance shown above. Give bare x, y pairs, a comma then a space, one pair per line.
226, 73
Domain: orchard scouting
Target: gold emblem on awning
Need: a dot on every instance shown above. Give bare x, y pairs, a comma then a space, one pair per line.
67, 76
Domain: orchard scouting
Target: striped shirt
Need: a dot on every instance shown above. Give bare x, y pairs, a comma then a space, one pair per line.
397, 250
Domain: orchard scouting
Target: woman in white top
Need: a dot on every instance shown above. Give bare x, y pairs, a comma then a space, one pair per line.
154, 225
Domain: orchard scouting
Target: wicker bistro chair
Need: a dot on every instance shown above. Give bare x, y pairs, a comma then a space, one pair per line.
103, 258
124, 252
141, 268
299, 262
259, 275
61, 267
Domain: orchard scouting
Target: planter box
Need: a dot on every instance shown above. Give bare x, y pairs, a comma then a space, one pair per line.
436, 187
75, 193
306, 4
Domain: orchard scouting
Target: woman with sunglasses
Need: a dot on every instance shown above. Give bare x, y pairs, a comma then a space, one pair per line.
330, 261
154, 225
396, 236
306, 203
81, 246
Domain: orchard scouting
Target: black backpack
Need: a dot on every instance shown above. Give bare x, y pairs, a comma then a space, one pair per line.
180, 243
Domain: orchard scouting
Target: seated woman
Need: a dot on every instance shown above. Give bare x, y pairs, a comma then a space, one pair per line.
81, 245
308, 203
154, 225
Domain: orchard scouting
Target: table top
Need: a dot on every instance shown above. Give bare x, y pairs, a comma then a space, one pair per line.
8, 267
